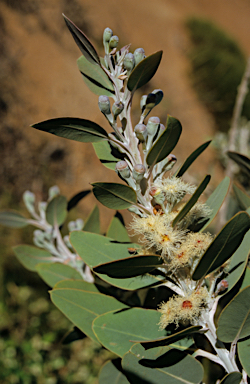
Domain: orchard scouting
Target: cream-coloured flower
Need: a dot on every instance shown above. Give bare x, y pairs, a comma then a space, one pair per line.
174, 189
183, 308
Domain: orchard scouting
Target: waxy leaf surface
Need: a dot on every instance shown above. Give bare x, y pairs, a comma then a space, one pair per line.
56, 211
13, 219
81, 302
144, 71
244, 353
191, 158
76, 198
55, 272
224, 245
92, 224
234, 320
242, 197
170, 365
103, 152
73, 128
232, 378
117, 230
114, 196
166, 142
242, 160
30, 256
111, 372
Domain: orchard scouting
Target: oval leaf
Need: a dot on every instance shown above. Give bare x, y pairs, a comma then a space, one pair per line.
223, 246
75, 199
13, 219
242, 160
191, 158
216, 199
244, 352
82, 42
55, 272
56, 211
193, 199
232, 378
114, 196
234, 320
170, 365
92, 223
246, 280
72, 128
104, 153
144, 71
166, 142
242, 198
111, 372
30, 256
81, 302
115, 330
95, 77
117, 230
129, 267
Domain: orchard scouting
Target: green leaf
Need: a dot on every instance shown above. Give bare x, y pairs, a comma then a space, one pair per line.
76, 198
92, 223
56, 211
246, 280
144, 71
170, 365
111, 372
30, 256
129, 267
114, 196
72, 128
242, 160
73, 335
216, 199
81, 302
13, 219
95, 77
232, 378
55, 272
115, 330
166, 142
191, 158
244, 352
82, 42
234, 320
162, 341
117, 230
238, 263
96, 249
223, 246
192, 201
242, 198
103, 152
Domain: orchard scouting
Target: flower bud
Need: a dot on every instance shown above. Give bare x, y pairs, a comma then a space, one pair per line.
113, 42
152, 125
129, 61
104, 104
53, 192
158, 95
107, 34
141, 132
139, 55
117, 108
123, 169
143, 102
157, 194
138, 172
222, 286
29, 200
134, 209
170, 162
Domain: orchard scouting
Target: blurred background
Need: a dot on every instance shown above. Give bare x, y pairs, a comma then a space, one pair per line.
205, 45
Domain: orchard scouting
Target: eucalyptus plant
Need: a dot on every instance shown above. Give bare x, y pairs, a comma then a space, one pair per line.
147, 302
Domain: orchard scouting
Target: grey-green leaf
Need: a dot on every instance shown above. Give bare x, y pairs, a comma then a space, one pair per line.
161, 365
232, 378
13, 219
242, 197
82, 42
92, 223
72, 128
81, 302
95, 77
114, 196
242, 160
144, 71
193, 199
30, 256
55, 272
244, 353
224, 245
103, 152
111, 372
56, 211
234, 320
117, 230
166, 142
191, 158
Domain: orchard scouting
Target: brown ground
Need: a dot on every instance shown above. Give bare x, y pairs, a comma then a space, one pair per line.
41, 80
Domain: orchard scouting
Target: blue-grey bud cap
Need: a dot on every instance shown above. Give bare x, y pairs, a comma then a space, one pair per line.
141, 132
107, 35
129, 61
152, 125
138, 172
113, 42
123, 169
139, 55
104, 104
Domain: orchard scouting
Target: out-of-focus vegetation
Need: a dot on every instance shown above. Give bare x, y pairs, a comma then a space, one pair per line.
218, 64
